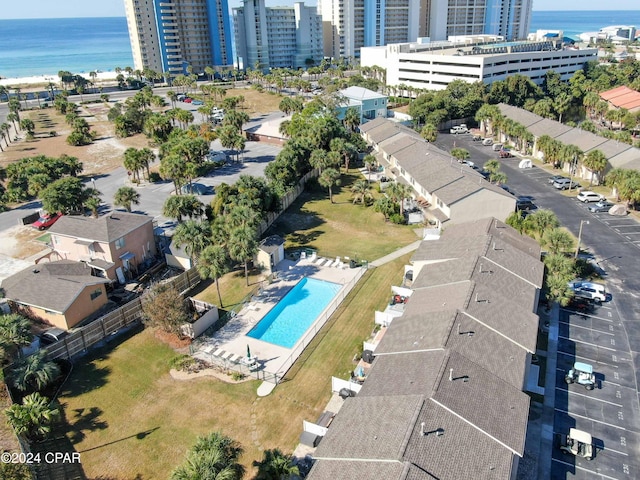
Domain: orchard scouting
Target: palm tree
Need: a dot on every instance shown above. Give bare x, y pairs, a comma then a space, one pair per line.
352, 119
398, 192
429, 132
214, 263
595, 161
460, 154
33, 418
330, 178
492, 166
275, 465
34, 372
194, 235
179, 206
243, 246
361, 192
93, 204
125, 196
213, 457
542, 221
499, 178
15, 332
557, 240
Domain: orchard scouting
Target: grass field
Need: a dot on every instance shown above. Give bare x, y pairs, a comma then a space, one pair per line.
129, 417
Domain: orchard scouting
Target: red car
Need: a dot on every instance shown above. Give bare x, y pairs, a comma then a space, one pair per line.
188, 100
505, 154
46, 220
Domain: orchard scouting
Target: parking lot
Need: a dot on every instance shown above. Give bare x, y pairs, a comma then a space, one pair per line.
609, 412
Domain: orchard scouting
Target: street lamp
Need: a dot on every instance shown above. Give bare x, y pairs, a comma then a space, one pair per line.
582, 222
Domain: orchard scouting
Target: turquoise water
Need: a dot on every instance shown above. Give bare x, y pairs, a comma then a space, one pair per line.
294, 314
78, 45
573, 23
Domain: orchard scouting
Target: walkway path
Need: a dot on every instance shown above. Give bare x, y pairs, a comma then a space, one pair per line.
397, 254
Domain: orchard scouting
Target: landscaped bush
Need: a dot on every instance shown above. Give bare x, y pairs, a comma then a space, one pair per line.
182, 362
155, 177
397, 219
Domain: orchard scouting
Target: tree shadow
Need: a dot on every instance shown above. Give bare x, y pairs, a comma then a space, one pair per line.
82, 420
84, 378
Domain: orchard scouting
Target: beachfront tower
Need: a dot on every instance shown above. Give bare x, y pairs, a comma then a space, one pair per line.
171, 35
277, 37
351, 24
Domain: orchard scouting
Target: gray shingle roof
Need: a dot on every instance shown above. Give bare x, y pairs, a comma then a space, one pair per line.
462, 452
403, 373
271, 243
370, 428
415, 331
333, 469
107, 228
520, 115
373, 124
53, 286
549, 127
382, 132
490, 404
585, 141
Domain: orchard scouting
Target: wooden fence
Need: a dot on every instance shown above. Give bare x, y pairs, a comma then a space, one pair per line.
79, 340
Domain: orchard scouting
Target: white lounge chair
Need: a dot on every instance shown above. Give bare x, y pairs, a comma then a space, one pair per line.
303, 255
313, 256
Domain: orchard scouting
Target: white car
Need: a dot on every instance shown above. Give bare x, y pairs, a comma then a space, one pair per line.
459, 129
487, 142
589, 290
587, 196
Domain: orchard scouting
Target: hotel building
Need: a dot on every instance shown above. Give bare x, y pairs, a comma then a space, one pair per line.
170, 35
277, 37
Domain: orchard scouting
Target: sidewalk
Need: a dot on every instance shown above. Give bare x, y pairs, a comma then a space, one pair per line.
397, 254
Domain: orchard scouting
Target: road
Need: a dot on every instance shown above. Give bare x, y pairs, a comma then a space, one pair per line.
608, 338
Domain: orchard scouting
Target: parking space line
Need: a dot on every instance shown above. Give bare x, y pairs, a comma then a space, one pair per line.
591, 419
587, 315
587, 343
632, 233
583, 469
607, 449
587, 328
589, 397
587, 358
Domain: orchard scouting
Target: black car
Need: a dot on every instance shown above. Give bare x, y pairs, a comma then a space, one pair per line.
524, 205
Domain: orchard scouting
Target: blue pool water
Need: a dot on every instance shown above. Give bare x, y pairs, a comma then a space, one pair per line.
294, 314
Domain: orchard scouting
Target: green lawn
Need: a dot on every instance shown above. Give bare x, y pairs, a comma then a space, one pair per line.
128, 417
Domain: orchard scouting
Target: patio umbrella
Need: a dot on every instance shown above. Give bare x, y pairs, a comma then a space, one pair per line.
248, 351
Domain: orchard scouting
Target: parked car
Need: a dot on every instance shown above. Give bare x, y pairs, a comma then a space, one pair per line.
487, 142
588, 196
505, 153
565, 184
555, 178
496, 147
524, 205
188, 100
601, 206
195, 189
477, 137
459, 129
46, 220
216, 157
197, 102
589, 290
181, 97
51, 336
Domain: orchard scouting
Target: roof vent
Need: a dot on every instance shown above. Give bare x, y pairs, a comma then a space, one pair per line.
438, 431
35, 270
469, 333
481, 301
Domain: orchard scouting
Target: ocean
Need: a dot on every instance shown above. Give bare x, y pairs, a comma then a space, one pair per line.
79, 45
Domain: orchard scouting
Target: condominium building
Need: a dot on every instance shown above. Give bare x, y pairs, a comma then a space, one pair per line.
352, 24
171, 35
277, 37
436, 64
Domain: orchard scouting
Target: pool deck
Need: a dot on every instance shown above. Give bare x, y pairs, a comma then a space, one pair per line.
229, 344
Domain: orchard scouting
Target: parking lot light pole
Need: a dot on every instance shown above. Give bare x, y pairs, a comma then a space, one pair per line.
582, 222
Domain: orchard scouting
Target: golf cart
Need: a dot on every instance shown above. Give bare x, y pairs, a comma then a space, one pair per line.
582, 374
577, 443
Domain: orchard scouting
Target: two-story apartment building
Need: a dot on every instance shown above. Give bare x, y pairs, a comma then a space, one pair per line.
114, 245
368, 103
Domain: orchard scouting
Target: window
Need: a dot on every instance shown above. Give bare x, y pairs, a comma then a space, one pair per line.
96, 293
120, 243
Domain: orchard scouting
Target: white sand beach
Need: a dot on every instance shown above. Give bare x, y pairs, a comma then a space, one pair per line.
45, 79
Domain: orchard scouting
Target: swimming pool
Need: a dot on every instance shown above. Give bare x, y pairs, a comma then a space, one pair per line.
294, 314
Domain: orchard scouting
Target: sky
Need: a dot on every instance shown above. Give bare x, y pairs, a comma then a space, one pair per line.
115, 8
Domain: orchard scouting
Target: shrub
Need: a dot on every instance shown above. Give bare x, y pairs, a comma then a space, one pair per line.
182, 362
237, 376
397, 219
155, 177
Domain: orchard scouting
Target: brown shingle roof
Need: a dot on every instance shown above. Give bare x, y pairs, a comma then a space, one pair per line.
53, 286
107, 228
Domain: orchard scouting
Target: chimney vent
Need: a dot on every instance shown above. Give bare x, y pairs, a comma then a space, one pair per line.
451, 374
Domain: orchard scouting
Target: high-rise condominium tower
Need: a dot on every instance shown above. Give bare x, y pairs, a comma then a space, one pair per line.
171, 35
277, 37
352, 24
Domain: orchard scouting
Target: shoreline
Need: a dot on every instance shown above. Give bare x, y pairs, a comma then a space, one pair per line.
53, 78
